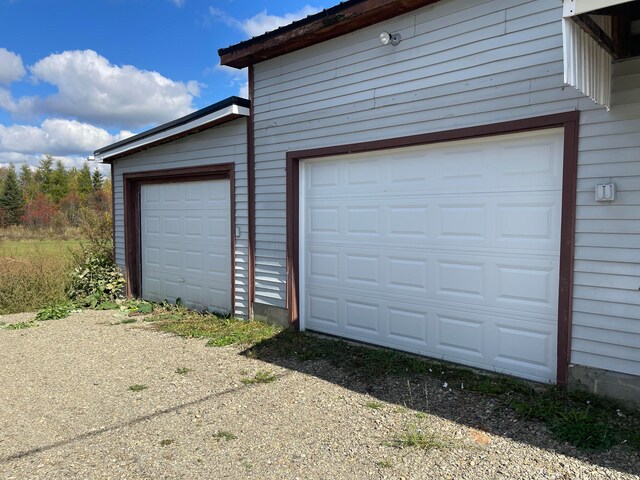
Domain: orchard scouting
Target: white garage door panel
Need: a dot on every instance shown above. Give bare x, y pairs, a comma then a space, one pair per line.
450, 250
186, 243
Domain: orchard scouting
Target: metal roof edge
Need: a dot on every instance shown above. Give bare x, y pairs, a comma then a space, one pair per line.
291, 26
338, 20
205, 115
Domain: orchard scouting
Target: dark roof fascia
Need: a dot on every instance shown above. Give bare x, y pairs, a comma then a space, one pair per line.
241, 102
344, 18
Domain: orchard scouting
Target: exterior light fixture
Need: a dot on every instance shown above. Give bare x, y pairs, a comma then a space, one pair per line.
387, 38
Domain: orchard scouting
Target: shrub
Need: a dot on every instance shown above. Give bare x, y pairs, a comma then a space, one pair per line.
97, 229
96, 278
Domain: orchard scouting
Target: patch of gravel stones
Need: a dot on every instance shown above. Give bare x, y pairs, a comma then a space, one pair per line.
66, 411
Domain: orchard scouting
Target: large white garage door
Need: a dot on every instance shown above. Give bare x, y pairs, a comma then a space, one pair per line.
448, 250
185, 240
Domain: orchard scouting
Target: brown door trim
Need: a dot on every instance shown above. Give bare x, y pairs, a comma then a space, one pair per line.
132, 183
568, 120
251, 194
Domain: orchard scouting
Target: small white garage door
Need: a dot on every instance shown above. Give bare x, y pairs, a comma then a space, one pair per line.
448, 250
185, 238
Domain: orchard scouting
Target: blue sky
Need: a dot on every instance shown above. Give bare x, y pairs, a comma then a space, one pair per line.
76, 75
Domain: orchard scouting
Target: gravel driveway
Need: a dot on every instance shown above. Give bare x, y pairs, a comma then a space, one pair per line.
66, 411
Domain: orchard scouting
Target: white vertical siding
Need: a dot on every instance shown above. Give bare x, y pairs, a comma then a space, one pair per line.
463, 63
226, 143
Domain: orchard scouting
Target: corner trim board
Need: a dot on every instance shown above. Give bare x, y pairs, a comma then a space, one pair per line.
251, 193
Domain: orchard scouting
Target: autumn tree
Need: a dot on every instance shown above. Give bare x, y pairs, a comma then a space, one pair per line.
51, 195
39, 212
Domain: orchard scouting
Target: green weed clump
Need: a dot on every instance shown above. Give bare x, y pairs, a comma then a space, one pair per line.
219, 331
137, 387
20, 325
95, 280
587, 421
224, 435
416, 436
262, 376
56, 312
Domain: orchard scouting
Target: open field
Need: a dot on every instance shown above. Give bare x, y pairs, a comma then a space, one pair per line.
102, 395
36, 248
33, 273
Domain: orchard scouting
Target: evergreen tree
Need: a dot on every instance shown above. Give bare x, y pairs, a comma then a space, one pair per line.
11, 200
44, 174
30, 187
96, 180
26, 175
84, 183
59, 183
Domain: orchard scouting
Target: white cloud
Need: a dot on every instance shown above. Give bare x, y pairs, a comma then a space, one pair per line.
178, 3
11, 67
237, 79
20, 106
262, 22
244, 90
55, 136
91, 89
8, 158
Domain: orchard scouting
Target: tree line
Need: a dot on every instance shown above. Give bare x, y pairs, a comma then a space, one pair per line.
51, 195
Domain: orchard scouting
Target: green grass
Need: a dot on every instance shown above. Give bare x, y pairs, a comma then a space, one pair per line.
31, 248
587, 421
262, 376
183, 370
417, 437
224, 435
368, 363
34, 273
126, 321
219, 331
20, 325
374, 405
137, 387
20, 233
166, 442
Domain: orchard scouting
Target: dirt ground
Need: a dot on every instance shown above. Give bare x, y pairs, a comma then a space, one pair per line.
90, 397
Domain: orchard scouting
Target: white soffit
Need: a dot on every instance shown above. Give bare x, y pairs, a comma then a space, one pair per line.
578, 7
212, 117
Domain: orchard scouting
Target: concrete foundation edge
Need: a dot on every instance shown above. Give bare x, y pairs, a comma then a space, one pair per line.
271, 314
620, 386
